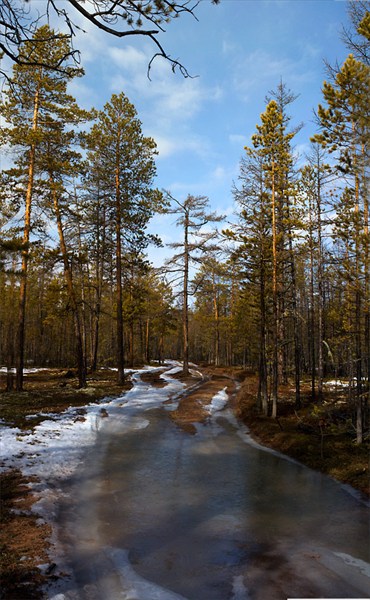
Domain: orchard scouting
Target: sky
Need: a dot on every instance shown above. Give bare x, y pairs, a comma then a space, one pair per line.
237, 52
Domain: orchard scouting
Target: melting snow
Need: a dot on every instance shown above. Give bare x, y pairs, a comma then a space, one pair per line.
218, 402
55, 448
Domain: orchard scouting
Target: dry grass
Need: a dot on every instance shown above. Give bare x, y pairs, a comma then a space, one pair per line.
320, 436
23, 540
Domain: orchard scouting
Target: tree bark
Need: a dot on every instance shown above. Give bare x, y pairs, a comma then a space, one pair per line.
262, 382
275, 333
81, 358
25, 250
119, 312
186, 294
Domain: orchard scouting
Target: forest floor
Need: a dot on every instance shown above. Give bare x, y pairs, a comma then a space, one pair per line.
319, 436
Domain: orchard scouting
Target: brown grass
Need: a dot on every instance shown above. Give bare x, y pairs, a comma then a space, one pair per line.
23, 541
318, 435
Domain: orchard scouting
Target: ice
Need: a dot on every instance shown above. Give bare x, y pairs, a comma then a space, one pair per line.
134, 586
54, 449
361, 565
240, 592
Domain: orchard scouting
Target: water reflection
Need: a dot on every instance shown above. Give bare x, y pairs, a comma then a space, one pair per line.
209, 517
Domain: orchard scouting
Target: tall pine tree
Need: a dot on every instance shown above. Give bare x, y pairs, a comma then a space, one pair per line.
35, 94
126, 167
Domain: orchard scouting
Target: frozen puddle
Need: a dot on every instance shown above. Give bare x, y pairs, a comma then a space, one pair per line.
132, 586
148, 512
135, 587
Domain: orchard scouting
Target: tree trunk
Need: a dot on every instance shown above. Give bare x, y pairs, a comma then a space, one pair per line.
275, 333
217, 321
25, 250
358, 352
297, 346
185, 293
311, 315
81, 358
99, 270
320, 305
365, 194
262, 381
119, 312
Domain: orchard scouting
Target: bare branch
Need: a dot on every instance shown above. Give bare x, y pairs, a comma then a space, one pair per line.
118, 18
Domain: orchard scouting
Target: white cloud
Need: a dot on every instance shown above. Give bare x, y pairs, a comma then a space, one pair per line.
170, 95
183, 142
237, 138
166, 147
218, 173
265, 70
84, 94
228, 47
129, 58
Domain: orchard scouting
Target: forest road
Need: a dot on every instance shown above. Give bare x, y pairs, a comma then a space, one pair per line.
164, 511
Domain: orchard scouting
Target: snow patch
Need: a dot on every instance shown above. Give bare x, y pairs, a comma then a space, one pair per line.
218, 402
55, 448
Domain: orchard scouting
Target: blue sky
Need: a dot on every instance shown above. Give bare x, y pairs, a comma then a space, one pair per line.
238, 50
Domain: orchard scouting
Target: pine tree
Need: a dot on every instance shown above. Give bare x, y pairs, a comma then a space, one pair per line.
127, 168
344, 124
35, 92
212, 307
273, 145
254, 253
315, 177
291, 222
193, 216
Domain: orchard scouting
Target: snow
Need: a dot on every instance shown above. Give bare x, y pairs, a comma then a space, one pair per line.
362, 566
218, 402
55, 448
25, 371
51, 452
240, 592
135, 586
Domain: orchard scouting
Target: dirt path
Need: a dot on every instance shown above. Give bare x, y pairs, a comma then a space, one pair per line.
192, 409
25, 539
198, 394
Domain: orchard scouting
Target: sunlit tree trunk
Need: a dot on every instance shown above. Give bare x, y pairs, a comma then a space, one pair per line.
275, 325
262, 381
185, 318
81, 359
217, 320
25, 250
119, 298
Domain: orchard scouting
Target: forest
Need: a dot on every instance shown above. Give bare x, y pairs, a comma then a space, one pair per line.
284, 291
